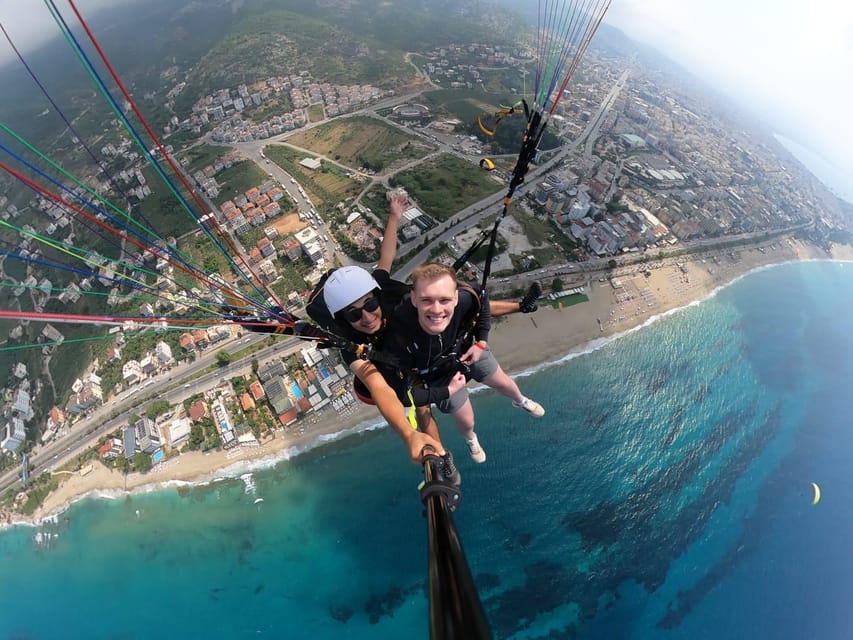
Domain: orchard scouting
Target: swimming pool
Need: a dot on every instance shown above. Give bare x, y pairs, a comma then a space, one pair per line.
158, 456
297, 392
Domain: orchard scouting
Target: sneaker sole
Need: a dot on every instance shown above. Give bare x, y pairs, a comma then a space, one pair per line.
530, 413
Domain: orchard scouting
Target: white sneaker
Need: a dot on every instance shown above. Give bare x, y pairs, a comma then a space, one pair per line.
478, 455
530, 406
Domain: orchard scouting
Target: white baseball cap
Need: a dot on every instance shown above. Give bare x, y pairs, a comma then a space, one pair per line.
345, 286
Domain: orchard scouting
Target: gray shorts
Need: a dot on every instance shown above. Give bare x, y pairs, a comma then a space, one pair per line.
480, 370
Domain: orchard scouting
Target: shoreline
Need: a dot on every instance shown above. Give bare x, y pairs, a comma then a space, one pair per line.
522, 344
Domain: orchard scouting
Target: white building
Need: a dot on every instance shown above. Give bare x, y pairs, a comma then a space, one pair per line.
131, 372
149, 365
179, 432
164, 353
147, 435
22, 405
309, 240
12, 435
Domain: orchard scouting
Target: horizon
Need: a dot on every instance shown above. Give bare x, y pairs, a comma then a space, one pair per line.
687, 35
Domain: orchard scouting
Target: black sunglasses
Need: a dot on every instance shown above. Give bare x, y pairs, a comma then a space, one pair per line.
353, 314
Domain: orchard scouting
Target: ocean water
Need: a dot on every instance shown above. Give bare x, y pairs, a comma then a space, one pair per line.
666, 494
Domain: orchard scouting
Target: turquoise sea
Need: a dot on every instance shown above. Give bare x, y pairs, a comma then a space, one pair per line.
667, 494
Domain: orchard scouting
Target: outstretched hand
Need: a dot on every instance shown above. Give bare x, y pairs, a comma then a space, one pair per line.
399, 203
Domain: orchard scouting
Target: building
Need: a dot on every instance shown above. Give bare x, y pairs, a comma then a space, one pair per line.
12, 435
179, 432
163, 352
197, 411
187, 342
129, 437
309, 240
147, 435
22, 406
131, 372
111, 449
271, 369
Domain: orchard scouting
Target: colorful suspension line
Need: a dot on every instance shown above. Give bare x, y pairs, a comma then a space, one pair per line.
108, 218
255, 281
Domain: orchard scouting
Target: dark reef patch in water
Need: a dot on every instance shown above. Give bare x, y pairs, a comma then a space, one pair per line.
340, 612
638, 537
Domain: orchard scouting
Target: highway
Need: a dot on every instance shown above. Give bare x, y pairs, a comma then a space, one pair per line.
181, 382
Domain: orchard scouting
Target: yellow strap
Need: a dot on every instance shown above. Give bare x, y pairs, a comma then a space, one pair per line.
410, 414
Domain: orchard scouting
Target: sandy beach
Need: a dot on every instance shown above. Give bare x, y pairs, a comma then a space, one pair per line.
519, 341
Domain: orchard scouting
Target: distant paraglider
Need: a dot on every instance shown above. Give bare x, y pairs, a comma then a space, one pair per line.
816, 490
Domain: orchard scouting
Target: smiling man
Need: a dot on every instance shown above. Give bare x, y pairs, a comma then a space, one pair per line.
445, 330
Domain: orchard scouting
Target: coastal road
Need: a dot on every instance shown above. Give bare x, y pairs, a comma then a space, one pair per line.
181, 382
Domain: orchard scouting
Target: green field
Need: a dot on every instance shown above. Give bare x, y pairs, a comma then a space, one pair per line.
201, 155
361, 141
240, 178
162, 211
326, 186
443, 186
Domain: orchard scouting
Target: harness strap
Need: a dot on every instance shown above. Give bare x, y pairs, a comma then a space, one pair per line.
410, 413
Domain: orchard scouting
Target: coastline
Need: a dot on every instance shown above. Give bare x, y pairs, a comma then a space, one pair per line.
520, 342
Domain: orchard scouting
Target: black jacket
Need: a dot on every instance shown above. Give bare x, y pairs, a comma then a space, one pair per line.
433, 359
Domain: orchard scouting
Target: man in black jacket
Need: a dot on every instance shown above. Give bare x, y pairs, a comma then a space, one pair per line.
443, 330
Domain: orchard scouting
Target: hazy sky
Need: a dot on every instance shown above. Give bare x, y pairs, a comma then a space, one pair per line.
790, 59
29, 21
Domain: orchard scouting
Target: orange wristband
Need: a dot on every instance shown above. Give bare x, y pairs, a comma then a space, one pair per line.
480, 344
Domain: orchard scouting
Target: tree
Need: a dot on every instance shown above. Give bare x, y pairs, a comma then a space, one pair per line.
223, 358
122, 464
157, 408
141, 462
196, 437
611, 263
557, 285
255, 366
211, 264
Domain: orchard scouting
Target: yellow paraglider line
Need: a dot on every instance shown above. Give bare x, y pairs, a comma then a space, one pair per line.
816, 497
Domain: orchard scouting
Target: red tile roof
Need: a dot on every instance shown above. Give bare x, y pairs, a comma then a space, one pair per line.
197, 411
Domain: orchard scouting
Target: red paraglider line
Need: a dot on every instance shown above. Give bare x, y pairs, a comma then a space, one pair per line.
162, 149
76, 318
121, 234
72, 318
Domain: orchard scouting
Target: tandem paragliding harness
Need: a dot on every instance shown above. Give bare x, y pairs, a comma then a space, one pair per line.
371, 349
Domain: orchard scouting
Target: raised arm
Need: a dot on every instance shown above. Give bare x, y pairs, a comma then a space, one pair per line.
388, 249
